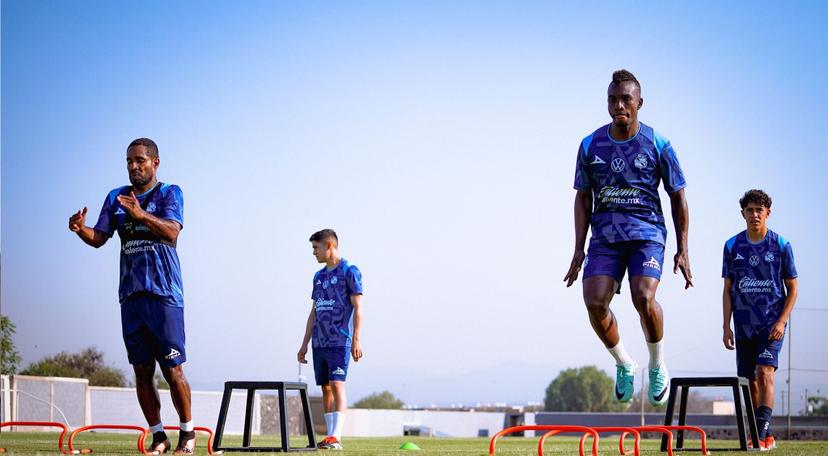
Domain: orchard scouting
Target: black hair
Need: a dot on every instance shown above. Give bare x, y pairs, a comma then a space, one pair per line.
152, 148
324, 235
755, 196
622, 76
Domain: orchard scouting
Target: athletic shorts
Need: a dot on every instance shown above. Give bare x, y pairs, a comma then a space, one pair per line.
330, 364
640, 258
756, 351
153, 330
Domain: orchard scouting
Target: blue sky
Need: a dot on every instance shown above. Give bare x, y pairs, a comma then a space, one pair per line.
437, 138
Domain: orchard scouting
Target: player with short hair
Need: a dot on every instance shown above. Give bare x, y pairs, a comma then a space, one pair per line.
760, 291
333, 324
148, 216
619, 168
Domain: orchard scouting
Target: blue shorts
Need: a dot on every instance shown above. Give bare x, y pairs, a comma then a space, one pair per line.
153, 330
330, 364
640, 258
756, 351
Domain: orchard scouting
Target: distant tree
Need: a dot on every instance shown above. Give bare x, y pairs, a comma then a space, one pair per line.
817, 406
584, 389
9, 358
88, 364
160, 382
383, 400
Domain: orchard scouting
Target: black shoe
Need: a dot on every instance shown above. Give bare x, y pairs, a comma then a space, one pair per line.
160, 443
186, 442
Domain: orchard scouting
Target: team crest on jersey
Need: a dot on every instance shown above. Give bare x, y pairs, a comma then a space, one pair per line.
325, 284
151, 207
769, 257
754, 260
640, 161
333, 280
618, 165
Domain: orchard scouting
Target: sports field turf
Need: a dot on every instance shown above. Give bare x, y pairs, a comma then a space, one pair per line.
124, 444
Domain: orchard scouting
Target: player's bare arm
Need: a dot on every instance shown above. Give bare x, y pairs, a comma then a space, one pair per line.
778, 329
681, 221
583, 215
303, 349
356, 347
727, 313
77, 224
167, 230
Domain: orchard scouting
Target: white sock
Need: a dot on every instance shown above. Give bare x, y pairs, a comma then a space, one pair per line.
157, 428
329, 423
186, 427
620, 354
339, 423
656, 353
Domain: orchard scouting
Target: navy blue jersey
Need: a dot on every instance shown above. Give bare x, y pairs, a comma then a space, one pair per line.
757, 273
148, 264
332, 291
624, 177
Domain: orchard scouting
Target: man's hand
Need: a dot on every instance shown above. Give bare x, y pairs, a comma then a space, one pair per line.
77, 221
356, 351
682, 262
574, 268
728, 339
777, 330
132, 206
303, 350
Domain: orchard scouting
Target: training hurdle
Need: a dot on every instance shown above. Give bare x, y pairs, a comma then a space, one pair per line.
624, 431
584, 430
252, 387
741, 399
127, 427
63, 427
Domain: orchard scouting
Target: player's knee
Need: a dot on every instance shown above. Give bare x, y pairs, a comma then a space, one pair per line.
597, 308
144, 372
644, 300
764, 376
174, 375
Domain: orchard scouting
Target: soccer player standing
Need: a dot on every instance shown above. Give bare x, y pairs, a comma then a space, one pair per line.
148, 216
759, 293
333, 324
619, 168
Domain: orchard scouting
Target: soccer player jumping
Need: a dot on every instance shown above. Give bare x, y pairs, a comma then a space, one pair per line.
148, 216
334, 323
759, 292
618, 170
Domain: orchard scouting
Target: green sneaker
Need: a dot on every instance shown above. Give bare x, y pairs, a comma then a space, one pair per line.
659, 384
624, 381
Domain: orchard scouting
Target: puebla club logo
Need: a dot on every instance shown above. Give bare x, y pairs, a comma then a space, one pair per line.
640, 161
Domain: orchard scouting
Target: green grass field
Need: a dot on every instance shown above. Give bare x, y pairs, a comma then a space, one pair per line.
124, 444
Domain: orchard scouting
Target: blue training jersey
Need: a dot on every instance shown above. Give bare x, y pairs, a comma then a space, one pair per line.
624, 178
757, 288
148, 264
332, 291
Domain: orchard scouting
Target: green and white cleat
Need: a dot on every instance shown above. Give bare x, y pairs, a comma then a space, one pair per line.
659, 384
624, 381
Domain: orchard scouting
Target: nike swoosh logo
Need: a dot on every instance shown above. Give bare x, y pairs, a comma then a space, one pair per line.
660, 395
618, 395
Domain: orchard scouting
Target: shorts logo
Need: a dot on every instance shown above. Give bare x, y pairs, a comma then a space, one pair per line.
173, 354
120, 212
640, 161
338, 371
597, 161
333, 280
766, 354
618, 165
754, 260
769, 257
151, 207
652, 264
325, 284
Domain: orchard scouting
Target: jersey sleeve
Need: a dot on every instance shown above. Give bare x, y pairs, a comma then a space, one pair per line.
788, 266
726, 263
670, 169
353, 278
105, 224
581, 175
313, 285
173, 205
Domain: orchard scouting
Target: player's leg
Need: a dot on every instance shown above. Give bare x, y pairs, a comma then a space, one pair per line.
338, 362
138, 342
320, 372
645, 264
746, 367
603, 271
767, 361
166, 323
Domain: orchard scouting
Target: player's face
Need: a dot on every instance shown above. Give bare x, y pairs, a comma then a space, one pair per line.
623, 102
141, 166
756, 216
322, 250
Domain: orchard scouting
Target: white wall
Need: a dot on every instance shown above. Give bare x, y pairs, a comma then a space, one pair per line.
379, 423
